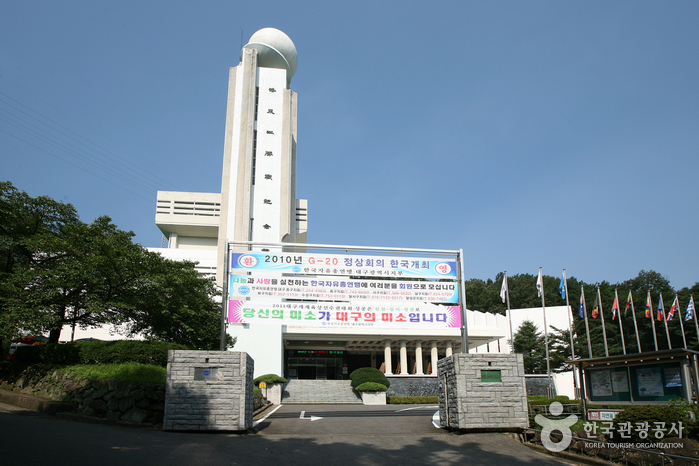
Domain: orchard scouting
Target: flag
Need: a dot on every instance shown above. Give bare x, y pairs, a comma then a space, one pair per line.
595, 308
503, 289
673, 309
661, 310
615, 306
690, 310
562, 287
649, 307
540, 284
628, 304
580, 309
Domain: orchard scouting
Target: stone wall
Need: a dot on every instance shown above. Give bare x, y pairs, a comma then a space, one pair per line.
412, 385
117, 401
470, 398
209, 390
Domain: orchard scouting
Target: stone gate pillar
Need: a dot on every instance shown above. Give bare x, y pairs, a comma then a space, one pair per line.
483, 391
208, 390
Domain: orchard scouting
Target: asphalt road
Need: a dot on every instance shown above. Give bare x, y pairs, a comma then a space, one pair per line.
325, 434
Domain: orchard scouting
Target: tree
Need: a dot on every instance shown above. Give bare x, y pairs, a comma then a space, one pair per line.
58, 270
30, 231
530, 343
164, 312
559, 343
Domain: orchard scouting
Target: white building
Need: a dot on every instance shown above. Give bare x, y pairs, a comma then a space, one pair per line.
258, 203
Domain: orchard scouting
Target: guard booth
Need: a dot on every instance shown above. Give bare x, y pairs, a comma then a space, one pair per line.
639, 379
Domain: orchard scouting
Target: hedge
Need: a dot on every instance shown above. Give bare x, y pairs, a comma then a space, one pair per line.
412, 400
268, 379
664, 415
371, 387
368, 374
99, 352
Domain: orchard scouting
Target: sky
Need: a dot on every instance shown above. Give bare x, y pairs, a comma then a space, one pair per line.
528, 134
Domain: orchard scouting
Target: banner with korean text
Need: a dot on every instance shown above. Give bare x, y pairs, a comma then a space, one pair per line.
341, 288
368, 315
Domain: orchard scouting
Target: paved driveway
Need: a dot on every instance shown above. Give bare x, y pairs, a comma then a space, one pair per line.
346, 435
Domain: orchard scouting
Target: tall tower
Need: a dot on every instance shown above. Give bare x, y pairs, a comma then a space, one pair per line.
258, 189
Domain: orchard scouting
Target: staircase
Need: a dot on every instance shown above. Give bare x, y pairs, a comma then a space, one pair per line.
319, 391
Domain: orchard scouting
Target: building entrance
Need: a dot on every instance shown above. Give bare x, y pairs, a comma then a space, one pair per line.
315, 365
315, 368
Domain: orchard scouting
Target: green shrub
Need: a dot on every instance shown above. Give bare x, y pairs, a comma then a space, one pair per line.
412, 400
361, 370
120, 351
258, 400
368, 374
268, 379
371, 387
668, 414
48, 354
98, 352
126, 372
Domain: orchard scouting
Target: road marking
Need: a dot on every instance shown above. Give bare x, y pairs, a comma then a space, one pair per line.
436, 421
417, 407
312, 418
266, 416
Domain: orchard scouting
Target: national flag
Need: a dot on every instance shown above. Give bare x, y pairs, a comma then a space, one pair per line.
649, 307
595, 308
562, 286
615, 307
661, 309
675, 306
503, 289
540, 284
628, 304
690, 310
580, 309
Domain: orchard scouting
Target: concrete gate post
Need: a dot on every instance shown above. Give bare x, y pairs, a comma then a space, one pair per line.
208, 390
483, 391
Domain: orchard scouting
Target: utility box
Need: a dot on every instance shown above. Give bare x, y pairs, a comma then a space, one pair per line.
482, 392
208, 390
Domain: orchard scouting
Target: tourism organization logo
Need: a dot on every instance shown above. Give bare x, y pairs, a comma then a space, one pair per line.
562, 425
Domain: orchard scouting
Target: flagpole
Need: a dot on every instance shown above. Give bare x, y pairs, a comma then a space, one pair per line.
694, 315
621, 327
587, 324
546, 333
649, 308
509, 312
604, 330
635, 325
661, 306
679, 311
570, 322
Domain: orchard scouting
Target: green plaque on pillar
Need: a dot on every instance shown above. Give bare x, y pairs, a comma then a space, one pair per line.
491, 376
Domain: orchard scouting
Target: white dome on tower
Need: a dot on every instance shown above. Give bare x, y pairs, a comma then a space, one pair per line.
274, 50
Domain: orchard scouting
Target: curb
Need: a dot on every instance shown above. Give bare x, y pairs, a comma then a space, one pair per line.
35, 403
263, 409
577, 459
